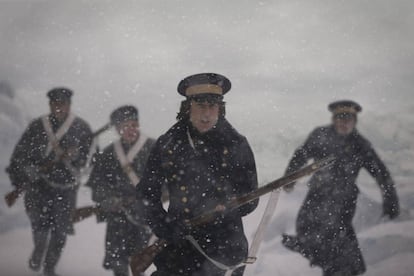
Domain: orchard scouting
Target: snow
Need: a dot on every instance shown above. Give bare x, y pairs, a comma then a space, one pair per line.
388, 246
286, 59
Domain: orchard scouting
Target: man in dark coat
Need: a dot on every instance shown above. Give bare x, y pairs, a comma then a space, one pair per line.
113, 179
45, 165
204, 162
325, 234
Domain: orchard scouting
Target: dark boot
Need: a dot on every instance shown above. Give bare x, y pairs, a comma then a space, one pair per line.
121, 269
40, 242
54, 251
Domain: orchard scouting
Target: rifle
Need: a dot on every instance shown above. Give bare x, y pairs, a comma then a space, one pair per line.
101, 130
12, 196
81, 213
140, 261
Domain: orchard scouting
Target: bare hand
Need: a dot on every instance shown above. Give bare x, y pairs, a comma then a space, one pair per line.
220, 208
289, 187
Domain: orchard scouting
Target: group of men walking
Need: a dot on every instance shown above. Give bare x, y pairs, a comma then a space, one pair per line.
201, 163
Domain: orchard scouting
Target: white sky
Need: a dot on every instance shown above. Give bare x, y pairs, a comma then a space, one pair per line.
284, 58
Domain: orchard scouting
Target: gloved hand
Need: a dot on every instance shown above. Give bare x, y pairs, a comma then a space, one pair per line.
289, 187
391, 209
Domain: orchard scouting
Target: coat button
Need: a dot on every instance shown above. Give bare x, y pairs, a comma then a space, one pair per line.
183, 188
184, 199
186, 210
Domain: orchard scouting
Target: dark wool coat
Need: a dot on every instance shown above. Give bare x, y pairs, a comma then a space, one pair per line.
325, 234
219, 167
51, 195
111, 187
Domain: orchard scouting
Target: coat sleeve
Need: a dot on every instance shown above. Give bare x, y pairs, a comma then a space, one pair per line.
303, 153
374, 165
98, 182
246, 176
22, 157
149, 192
97, 178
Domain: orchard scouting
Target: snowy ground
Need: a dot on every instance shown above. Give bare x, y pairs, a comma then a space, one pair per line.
388, 246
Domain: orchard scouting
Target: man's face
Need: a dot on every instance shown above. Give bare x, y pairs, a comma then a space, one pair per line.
204, 115
60, 109
128, 130
344, 125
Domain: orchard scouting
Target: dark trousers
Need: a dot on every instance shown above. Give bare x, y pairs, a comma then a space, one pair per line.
50, 221
123, 239
48, 246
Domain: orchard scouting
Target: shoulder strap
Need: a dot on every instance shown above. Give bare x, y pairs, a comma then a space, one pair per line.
126, 159
54, 138
136, 147
258, 237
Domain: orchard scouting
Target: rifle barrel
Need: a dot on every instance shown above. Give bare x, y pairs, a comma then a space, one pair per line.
102, 129
276, 184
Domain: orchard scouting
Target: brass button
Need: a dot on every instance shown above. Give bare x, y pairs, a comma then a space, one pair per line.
186, 210
183, 188
184, 199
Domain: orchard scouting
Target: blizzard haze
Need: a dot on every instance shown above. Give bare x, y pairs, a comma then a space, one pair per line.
287, 60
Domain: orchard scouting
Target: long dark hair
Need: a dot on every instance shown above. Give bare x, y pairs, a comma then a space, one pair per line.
184, 113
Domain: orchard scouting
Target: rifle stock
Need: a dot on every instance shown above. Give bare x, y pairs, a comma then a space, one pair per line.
140, 261
82, 213
11, 197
